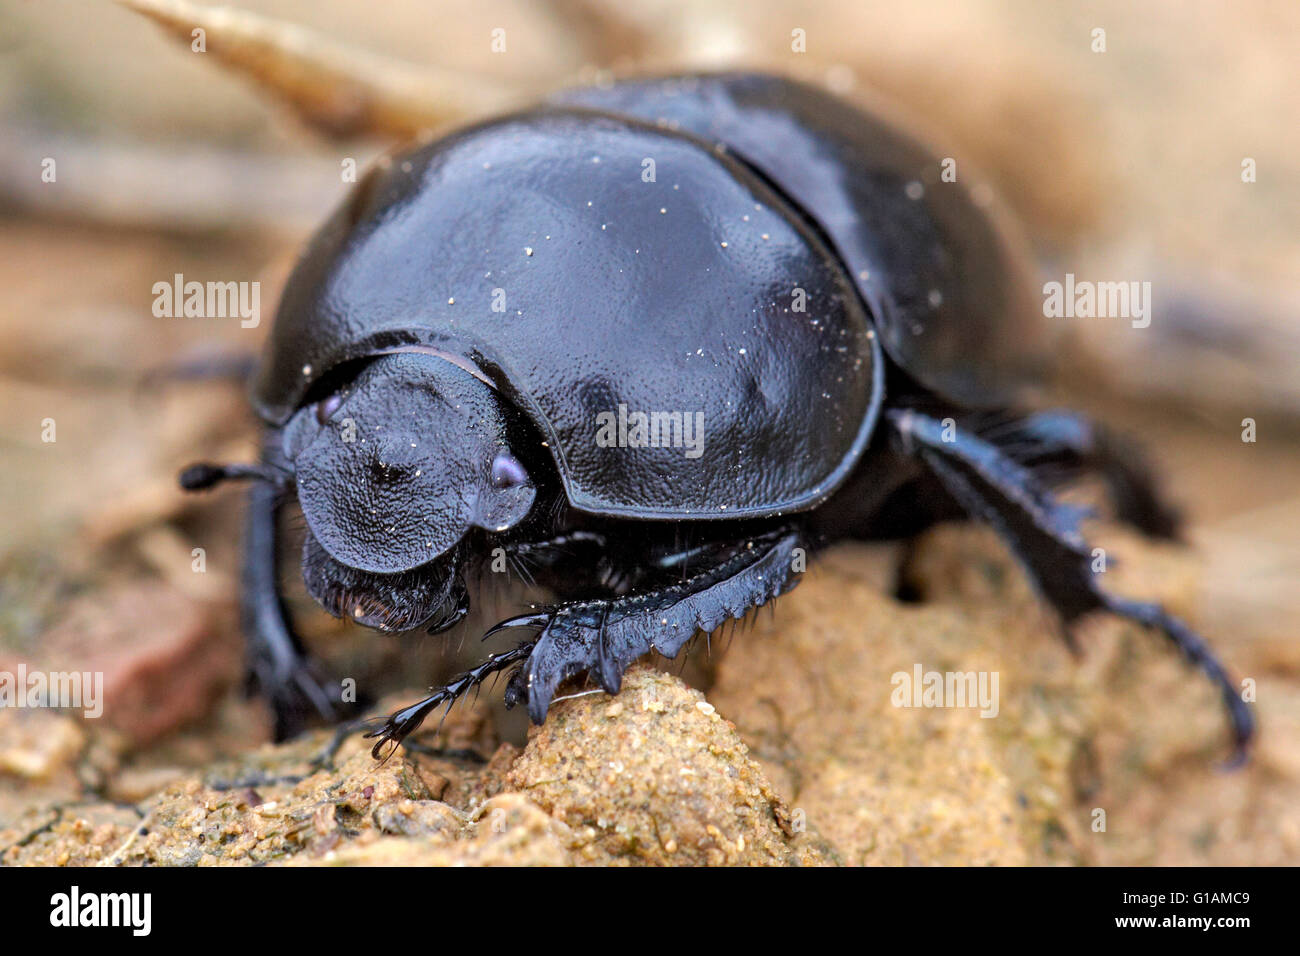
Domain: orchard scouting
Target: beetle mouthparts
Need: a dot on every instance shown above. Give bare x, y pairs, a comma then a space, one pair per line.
203, 475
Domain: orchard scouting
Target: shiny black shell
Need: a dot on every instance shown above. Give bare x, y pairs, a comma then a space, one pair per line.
536, 250
941, 270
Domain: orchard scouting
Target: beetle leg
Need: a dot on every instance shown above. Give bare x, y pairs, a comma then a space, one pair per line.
602, 637
1062, 437
276, 659
405, 721
561, 545
1044, 536
572, 564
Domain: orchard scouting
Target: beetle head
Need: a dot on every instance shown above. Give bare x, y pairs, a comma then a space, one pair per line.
394, 468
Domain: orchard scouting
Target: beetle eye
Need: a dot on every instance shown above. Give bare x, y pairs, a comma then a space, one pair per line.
327, 406
507, 472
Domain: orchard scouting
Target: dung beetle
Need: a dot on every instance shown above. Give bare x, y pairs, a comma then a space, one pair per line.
652, 343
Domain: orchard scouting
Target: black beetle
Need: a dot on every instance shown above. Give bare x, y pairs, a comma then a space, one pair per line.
654, 341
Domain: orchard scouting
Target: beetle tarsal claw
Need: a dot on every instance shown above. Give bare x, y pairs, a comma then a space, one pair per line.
524, 620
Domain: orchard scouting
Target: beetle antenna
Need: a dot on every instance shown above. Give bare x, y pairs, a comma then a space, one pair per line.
202, 475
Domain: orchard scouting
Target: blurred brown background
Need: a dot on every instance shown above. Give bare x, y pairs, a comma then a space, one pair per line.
1121, 165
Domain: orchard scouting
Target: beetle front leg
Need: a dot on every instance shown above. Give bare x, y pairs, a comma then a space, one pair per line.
604, 635
276, 658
